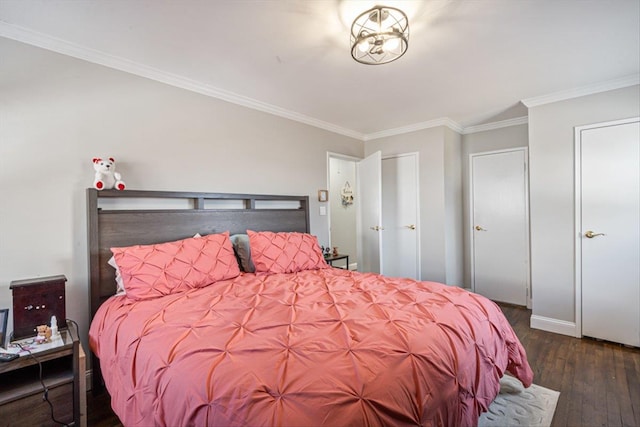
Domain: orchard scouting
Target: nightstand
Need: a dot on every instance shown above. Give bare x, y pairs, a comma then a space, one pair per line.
21, 392
331, 258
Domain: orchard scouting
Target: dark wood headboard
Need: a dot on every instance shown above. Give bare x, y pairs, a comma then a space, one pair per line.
126, 218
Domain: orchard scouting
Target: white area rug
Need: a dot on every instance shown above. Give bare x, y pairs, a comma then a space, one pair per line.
519, 406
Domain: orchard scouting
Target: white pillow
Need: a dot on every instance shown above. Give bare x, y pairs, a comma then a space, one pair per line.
119, 283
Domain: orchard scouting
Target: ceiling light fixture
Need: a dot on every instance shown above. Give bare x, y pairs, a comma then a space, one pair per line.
379, 35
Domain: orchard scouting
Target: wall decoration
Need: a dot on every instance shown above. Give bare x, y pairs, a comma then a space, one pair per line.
323, 195
347, 195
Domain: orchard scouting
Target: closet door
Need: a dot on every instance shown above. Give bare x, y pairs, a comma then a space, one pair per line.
500, 227
400, 216
609, 230
369, 203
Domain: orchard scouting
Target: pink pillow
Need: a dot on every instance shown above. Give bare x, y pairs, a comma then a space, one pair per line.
151, 271
285, 252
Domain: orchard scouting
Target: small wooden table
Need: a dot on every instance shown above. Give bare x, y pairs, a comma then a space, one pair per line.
331, 258
58, 365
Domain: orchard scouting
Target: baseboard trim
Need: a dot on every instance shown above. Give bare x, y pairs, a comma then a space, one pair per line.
553, 325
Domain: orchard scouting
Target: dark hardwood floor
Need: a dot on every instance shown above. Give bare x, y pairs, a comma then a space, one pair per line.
99, 411
599, 382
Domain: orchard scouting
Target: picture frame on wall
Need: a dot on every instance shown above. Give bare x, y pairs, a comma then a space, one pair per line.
323, 195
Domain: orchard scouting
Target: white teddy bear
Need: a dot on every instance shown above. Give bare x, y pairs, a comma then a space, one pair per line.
106, 175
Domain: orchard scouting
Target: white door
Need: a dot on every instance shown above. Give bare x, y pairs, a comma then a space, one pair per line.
609, 239
369, 202
400, 214
500, 229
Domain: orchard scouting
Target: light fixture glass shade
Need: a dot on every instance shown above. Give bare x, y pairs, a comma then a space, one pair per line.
379, 35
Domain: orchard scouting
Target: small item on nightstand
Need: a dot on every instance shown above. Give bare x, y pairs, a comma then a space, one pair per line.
7, 357
44, 334
54, 328
335, 251
35, 301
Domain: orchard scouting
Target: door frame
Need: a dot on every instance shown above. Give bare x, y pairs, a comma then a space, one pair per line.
416, 159
577, 136
334, 155
525, 151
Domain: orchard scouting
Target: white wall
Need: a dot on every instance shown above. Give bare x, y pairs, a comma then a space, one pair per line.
489, 140
453, 186
436, 162
551, 177
56, 113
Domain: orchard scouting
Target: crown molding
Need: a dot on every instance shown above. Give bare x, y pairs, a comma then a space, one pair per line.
64, 47
496, 125
620, 83
444, 121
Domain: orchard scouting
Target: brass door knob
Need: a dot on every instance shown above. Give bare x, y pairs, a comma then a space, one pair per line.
590, 234
478, 228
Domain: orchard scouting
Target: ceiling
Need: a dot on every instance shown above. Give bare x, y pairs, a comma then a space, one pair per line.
469, 61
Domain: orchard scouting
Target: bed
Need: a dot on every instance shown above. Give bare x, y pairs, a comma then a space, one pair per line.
293, 343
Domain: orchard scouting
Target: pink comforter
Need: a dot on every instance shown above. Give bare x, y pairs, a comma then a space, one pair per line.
321, 347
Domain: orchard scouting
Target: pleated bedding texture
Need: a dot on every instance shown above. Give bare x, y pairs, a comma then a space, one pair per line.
316, 347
